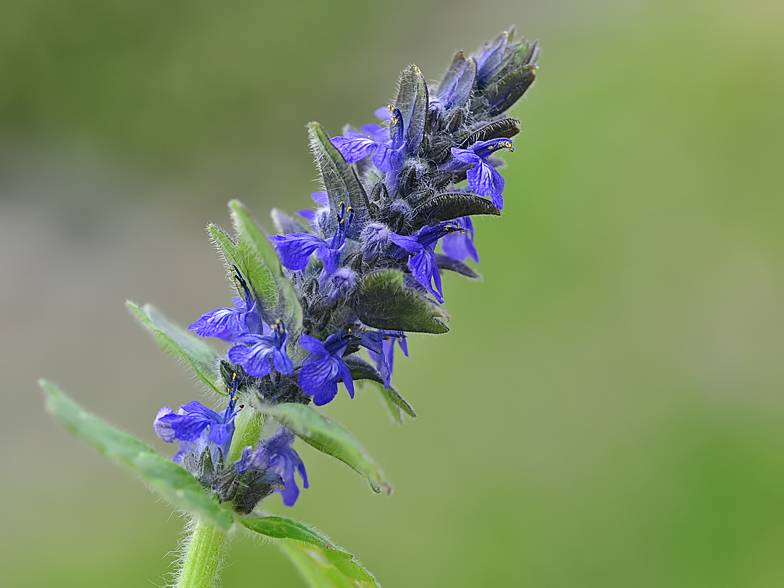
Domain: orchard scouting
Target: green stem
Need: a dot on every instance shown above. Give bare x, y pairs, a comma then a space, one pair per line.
207, 544
204, 557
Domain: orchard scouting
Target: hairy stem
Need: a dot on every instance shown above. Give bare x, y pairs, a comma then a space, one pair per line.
207, 544
204, 558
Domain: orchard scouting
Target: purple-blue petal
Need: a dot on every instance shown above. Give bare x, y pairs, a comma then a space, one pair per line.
319, 379
345, 373
253, 459
313, 345
377, 133
485, 180
330, 257
459, 246
254, 359
320, 198
224, 323
407, 242
295, 249
424, 268
282, 362
354, 146
162, 428
466, 155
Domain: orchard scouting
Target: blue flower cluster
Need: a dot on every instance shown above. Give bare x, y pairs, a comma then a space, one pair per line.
204, 437
365, 265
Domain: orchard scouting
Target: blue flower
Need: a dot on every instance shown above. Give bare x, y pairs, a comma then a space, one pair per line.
231, 323
483, 178
324, 367
375, 240
320, 198
189, 427
295, 249
276, 455
385, 359
384, 147
339, 284
285, 461
270, 465
224, 323
460, 245
423, 263
255, 352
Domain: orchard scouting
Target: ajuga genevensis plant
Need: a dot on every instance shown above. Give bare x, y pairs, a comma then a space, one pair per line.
327, 300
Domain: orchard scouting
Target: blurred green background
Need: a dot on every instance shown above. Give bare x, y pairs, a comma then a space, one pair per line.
607, 410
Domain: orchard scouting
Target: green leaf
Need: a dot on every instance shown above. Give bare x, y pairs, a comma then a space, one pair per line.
382, 301
321, 562
362, 370
504, 128
327, 568
261, 265
264, 265
283, 528
339, 180
395, 402
179, 343
449, 206
329, 437
164, 476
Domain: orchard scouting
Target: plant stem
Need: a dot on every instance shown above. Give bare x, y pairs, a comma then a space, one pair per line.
204, 557
207, 544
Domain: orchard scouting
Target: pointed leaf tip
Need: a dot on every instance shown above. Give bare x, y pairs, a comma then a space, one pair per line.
179, 343
164, 476
329, 437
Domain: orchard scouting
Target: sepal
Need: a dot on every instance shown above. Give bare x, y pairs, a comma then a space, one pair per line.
412, 101
458, 81
502, 94
505, 128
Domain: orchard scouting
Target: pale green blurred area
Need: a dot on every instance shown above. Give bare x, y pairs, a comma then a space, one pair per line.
608, 410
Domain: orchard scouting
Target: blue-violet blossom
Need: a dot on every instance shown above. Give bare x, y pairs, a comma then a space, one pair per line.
295, 249
483, 178
422, 245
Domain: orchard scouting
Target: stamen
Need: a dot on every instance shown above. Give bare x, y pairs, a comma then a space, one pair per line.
234, 397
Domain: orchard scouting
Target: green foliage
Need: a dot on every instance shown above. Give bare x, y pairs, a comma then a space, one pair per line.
179, 343
322, 563
245, 257
163, 475
263, 263
381, 300
328, 437
327, 568
452, 205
